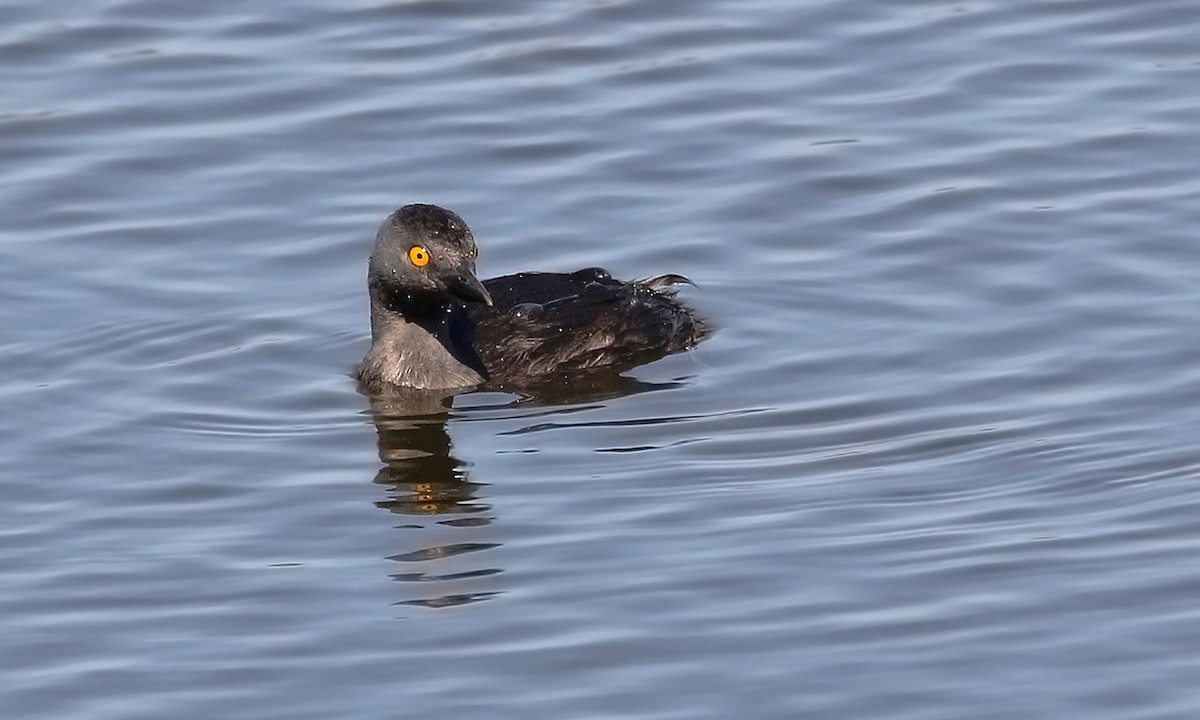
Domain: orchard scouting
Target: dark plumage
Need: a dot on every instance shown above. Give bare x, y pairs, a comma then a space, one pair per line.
435, 326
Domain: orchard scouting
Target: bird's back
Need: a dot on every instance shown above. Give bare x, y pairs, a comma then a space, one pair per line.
544, 324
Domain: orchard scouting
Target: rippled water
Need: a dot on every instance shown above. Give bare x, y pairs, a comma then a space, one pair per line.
936, 462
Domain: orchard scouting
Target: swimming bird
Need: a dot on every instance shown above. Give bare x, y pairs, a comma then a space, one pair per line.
434, 325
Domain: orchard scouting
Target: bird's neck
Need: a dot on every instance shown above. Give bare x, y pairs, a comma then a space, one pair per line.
427, 340
424, 309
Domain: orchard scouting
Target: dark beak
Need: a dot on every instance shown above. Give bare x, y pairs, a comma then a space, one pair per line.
466, 287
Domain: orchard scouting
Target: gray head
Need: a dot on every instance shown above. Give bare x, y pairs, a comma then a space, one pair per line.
424, 251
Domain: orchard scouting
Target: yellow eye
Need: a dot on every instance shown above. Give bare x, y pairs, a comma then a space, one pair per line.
418, 256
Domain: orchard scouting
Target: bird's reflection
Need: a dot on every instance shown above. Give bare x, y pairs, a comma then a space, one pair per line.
432, 491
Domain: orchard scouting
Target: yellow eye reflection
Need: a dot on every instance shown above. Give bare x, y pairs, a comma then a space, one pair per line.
418, 256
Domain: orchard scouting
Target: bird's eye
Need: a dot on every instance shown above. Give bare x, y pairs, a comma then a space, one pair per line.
418, 256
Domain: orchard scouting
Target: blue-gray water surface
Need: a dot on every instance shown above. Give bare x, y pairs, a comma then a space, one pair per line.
937, 461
